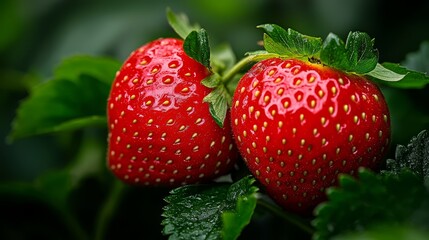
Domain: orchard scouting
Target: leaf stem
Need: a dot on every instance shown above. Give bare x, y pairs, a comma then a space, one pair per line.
295, 220
108, 209
73, 225
229, 75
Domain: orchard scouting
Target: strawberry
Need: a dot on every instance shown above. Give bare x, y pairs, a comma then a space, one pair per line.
299, 124
160, 129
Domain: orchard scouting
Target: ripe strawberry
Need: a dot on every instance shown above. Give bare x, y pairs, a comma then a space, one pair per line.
160, 130
299, 124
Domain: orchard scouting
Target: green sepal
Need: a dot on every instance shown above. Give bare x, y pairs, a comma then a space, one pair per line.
334, 52
382, 73
357, 55
196, 46
290, 43
411, 80
361, 52
212, 81
180, 23
218, 100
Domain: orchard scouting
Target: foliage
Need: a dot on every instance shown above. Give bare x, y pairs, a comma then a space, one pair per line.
414, 157
69, 96
358, 205
62, 114
210, 212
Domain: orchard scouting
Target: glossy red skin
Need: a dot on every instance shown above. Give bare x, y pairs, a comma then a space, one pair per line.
329, 126
160, 130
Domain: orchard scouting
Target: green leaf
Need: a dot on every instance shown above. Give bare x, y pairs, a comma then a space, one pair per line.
388, 232
411, 80
180, 23
206, 211
362, 55
235, 221
334, 53
359, 205
100, 68
75, 98
60, 105
196, 45
56, 189
414, 156
382, 73
218, 100
289, 43
356, 55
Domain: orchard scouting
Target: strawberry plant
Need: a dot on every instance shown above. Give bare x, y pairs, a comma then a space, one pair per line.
296, 135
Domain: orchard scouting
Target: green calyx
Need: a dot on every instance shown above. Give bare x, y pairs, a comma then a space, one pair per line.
289, 43
217, 61
356, 55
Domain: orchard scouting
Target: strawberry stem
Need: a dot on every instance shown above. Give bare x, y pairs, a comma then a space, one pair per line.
291, 218
73, 224
108, 209
238, 67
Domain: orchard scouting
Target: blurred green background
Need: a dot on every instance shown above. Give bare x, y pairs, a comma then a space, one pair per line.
36, 35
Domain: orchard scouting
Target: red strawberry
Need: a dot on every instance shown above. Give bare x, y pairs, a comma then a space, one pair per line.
299, 124
160, 130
